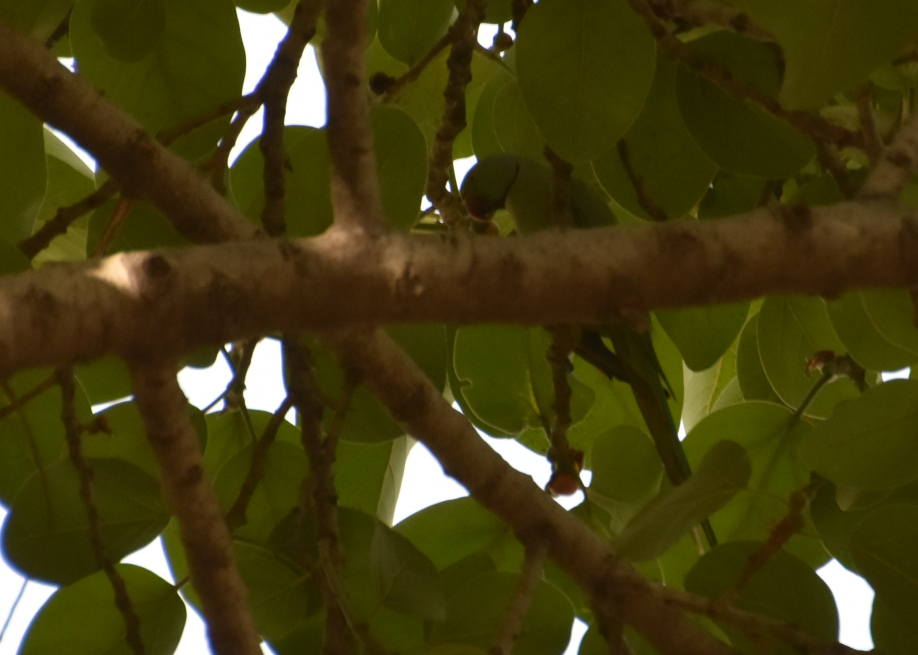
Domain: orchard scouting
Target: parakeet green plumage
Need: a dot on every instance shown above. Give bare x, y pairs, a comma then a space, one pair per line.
522, 186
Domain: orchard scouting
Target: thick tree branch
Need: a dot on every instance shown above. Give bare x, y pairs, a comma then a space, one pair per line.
418, 406
355, 192
133, 158
202, 528
177, 300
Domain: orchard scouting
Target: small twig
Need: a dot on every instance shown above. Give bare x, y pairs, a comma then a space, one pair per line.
9, 616
18, 402
790, 525
62, 30
463, 34
637, 182
302, 388
235, 390
519, 603
808, 123
202, 527
274, 88
699, 13
236, 516
219, 163
113, 228
753, 625
64, 217
873, 140
413, 73
72, 431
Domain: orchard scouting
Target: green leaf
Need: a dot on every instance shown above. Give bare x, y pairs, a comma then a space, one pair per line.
705, 390
105, 380
892, 313
832, 45
197, 63
506, 379
733, 194
38, 18
46, 536
512, 123
833, 524
674, 172
123, 436
129, 29
703, 334
750, 374
585, 68
408, 28
448, 531
23, 172
401, 165
862, 339
883, 547
460, 573
280, 596
31, 437
770, 440
406, 580
368, 476
744, 139
869, 442
483, 134
891, 634
475, 613
81, 619
308, 196
784, 588
278, 492
792, 329
626, 466
144, 228
724, 470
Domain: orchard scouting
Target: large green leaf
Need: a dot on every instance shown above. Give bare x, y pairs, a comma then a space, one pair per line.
32, 436
832, 45
513, 125
38, 18
448, 531
408, 28
770, 439
368, 476
406, 580
123, 436
750, 374
476, 611
743, 138
703, 334
105, 380
507, 380
144, 228
862, 339
723, 472
585, 68
483, 136
706, 390
892, 313
129, 29
883, 547
401, 165
869, 442
791, 330
892, 635
23, 172
47, 534
81, 619
784, 588
197, 63
626, 466
674, 172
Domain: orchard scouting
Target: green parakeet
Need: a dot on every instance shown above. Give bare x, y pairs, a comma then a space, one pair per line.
522, 186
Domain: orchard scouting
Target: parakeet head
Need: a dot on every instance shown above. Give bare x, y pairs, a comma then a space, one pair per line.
484, 189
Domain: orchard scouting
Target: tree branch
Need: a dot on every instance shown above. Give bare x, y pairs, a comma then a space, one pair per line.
420, 408
177, 300
355, 192
519, 603
896, 167
202, 528
31, 73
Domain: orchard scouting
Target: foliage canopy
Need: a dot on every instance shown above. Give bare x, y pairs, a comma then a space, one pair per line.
674, 112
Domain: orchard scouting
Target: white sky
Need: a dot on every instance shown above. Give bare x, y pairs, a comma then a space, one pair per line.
424, 483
